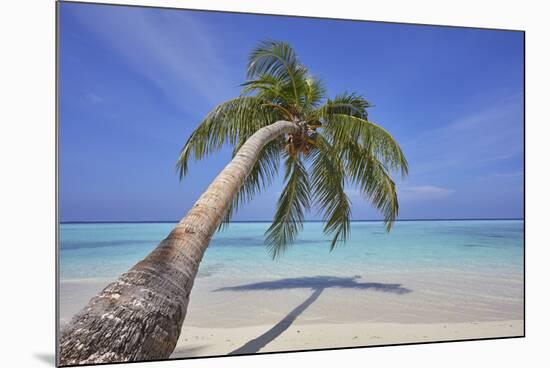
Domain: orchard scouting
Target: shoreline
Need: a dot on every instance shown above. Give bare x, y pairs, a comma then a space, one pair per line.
247, 322
428, 282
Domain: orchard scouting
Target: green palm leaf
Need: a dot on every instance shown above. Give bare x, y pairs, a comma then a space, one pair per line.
327, 181
230, 122
314, 92
373, 180
293, 202
347, 103
278, 60
275, 92
260, 178
346, 129
336, 144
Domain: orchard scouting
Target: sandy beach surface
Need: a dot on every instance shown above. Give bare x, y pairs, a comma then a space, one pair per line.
196, 341
238, 316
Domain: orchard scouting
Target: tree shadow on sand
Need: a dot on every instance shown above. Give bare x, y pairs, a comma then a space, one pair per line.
317, 284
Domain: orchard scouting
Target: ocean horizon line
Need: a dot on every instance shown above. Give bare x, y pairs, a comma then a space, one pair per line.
306, 221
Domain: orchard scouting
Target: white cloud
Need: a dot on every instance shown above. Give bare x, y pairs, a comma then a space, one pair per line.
174, 51
411, 193
94, 99
423, 192
479, 139
511, 175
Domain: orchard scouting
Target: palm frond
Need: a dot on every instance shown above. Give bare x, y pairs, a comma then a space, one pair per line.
327, 183
291, 206
277, 59
369, 174
347, 129
347, 103
260, 177
277, 92
314, 92
338, 145
231, 122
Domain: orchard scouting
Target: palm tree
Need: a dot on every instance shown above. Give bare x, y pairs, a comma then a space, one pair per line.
281, 115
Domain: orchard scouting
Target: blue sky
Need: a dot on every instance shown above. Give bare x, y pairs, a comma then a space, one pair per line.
135, 82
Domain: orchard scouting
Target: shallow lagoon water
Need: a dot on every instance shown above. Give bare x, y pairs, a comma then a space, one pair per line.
420, 272
104, 250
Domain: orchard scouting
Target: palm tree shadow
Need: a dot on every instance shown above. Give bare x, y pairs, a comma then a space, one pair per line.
253, 346
318, 284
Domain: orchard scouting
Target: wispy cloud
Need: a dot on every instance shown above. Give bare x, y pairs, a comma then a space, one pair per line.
510, 175
487, 136
173, 50
94, 98
424, 192
513, 174
410, 193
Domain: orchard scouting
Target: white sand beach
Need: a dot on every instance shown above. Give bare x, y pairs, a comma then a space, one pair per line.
234, 316
196, 341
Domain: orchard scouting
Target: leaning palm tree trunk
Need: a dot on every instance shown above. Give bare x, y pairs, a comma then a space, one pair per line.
139, 316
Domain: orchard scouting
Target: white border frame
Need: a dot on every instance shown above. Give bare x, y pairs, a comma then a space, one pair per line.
28, 204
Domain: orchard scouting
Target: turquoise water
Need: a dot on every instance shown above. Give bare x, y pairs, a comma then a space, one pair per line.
105, 250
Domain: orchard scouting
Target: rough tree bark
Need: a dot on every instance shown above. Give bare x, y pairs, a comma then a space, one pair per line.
139, 316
